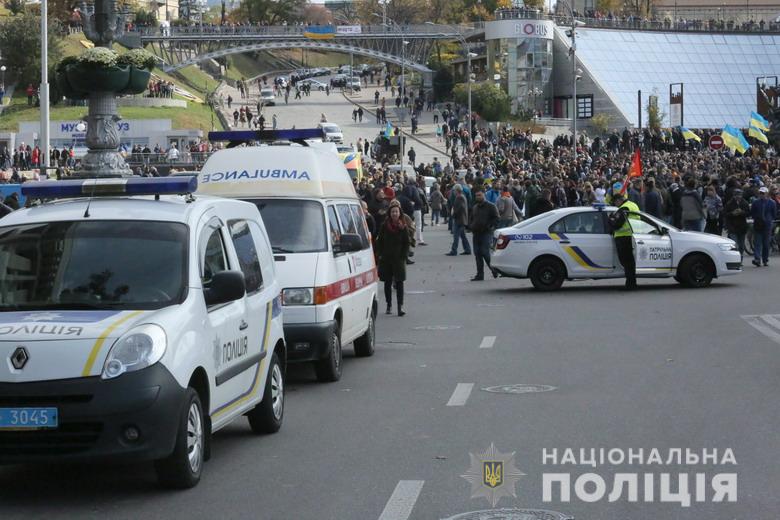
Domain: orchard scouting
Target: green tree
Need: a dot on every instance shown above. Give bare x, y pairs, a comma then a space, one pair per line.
655, 115
15, 6
21, 43
487, 99
442, 84
601, 122
271, 11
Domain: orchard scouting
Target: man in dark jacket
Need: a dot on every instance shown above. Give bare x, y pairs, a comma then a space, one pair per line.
654, 204
460, 219
484, 219
736, 212
764, 212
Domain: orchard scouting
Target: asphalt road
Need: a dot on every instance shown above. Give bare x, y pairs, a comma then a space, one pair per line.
664, 367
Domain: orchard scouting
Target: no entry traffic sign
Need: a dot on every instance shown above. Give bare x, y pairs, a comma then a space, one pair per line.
716, 142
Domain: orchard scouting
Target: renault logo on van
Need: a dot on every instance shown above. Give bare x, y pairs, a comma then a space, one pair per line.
19, 358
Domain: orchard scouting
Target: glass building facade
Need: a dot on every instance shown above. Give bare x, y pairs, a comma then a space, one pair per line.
719, 71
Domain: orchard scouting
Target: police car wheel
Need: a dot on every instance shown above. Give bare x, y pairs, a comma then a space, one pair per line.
547, 274
696, 271
328, 370
364, 345
267, 416
182, 468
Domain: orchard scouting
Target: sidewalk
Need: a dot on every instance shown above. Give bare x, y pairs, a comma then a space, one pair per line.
426, 129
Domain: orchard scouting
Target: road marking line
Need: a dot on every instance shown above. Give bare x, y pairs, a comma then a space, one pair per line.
402, 501
461, 394
488, 342
765, 324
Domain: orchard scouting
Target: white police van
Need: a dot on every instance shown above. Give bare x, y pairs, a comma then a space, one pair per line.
319, 237
135, 326
575, 243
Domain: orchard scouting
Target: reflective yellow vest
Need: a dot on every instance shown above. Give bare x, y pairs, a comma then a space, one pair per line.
626, 230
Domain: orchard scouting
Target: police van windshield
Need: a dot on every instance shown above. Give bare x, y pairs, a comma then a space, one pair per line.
93, 265
294, 226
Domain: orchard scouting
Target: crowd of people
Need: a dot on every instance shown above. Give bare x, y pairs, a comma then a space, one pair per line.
508, 175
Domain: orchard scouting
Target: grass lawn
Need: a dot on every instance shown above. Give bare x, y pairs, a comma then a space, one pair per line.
244, 66
196, 115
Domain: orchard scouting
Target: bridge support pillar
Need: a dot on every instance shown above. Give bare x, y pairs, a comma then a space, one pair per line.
427, 78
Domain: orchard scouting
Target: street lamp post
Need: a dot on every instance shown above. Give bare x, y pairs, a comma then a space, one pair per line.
389, 22
43, 92
574, 75
469, 55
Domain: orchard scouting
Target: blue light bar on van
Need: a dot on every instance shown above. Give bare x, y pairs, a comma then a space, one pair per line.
104, 187
244, 136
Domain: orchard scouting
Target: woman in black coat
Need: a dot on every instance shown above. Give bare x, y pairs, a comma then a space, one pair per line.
392, 248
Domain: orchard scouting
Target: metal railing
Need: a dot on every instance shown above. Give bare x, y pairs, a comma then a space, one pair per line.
289, 30
643, 24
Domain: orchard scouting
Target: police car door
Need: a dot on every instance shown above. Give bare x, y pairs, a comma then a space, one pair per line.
652, 247
585, 245
251, 251
227, 322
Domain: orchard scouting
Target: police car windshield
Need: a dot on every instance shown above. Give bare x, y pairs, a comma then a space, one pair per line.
93, 265
294, 226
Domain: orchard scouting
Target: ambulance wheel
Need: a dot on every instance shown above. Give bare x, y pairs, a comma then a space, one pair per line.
364, 345
697, 271
547, 274
267, 416
328, 370
182, 468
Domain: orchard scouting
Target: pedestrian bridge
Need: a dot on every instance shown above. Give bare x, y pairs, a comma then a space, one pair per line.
183, 46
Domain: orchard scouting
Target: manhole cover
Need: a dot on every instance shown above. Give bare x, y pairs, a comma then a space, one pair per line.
438, 327
519, 389
511, 514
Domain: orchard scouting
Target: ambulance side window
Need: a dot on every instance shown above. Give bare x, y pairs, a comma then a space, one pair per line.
360, 222
213, 259
345, 218
333, 222
248, 259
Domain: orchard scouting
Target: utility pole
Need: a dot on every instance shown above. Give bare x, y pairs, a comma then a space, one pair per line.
43, 92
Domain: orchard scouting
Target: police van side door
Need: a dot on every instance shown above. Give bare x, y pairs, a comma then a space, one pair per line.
245, 236
652, 248
585, 244
225, 322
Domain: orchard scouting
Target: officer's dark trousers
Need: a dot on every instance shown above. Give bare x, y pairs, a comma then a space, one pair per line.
625, 251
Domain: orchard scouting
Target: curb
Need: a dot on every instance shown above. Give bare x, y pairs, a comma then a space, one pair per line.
408, 135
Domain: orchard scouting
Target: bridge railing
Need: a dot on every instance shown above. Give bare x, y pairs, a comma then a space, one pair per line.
644, 24
295, 30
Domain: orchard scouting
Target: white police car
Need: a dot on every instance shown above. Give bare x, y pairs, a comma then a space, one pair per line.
575, 243
134, 327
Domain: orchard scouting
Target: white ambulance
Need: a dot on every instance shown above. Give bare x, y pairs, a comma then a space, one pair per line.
321, 244
135, 326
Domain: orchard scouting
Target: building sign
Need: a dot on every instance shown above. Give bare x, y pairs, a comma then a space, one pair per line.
349, 29
130, 128
502, 29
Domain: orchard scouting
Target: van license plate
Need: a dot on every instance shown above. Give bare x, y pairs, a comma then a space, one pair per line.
28, 418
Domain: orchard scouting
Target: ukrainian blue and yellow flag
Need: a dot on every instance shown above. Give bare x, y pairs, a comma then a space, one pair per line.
758, 121
320, 32
734, 139
388, 130
687, 134
758, 134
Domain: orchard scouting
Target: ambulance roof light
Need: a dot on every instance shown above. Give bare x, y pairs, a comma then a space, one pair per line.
110, 187
236, 137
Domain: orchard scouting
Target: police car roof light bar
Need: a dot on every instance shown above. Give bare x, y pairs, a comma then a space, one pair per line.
110, 187
236, 137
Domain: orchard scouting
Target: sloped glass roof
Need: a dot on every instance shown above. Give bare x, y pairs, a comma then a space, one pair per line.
718, 71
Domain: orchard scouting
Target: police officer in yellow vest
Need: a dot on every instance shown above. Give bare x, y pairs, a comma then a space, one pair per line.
623, 236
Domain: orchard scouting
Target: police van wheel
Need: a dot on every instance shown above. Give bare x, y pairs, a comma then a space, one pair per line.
267, 416
697, 271
365, 344
547, 274
182, 468
328, 370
